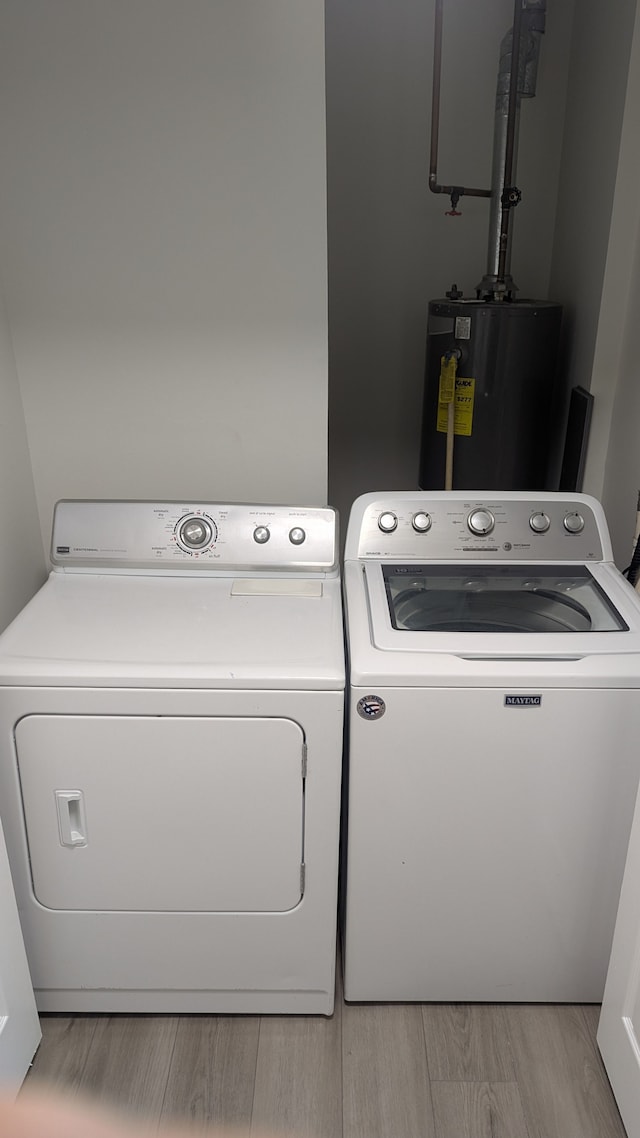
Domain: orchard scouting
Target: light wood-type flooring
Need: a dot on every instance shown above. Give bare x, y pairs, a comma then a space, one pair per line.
371, 1071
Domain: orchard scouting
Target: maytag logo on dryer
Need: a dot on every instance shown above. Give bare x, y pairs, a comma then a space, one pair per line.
522, 700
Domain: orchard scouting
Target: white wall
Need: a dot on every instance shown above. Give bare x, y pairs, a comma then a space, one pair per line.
162, 231
163, 242
22, 563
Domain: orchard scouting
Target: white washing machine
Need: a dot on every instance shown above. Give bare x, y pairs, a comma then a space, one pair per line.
171, 716
494, 718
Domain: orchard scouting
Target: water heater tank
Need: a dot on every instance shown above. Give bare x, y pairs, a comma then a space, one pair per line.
506, 370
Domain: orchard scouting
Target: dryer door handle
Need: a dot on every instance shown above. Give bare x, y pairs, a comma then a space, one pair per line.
71, 817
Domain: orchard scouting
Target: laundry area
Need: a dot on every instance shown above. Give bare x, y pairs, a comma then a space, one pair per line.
319, 640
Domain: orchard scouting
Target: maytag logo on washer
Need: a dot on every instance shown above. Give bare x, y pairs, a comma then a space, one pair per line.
371, 707
522, 700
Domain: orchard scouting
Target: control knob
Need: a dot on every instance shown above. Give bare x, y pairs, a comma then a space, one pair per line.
387, 522
421, 522
261, 534
297, 535
539, 522
481, 522
196, 533
573, 523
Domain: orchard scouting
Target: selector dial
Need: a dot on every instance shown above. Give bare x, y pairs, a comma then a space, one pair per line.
196, 533
261, 534
297, 535
573, 523
421, 522
539, 522
387, 522
481, 522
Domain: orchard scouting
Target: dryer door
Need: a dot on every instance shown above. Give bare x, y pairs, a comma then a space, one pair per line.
163, 814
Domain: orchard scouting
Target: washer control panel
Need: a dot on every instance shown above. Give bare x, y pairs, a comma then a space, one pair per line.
441, 527
193, 536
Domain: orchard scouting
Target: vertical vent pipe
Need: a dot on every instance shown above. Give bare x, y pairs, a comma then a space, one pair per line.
517, 74
508, 196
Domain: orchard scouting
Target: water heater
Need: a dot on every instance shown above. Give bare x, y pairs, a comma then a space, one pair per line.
505, 378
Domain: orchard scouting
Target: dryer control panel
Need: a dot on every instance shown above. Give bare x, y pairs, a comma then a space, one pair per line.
193, 536
464, 526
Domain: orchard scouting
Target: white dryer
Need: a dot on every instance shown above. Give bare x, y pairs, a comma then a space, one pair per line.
494, 717
171, 715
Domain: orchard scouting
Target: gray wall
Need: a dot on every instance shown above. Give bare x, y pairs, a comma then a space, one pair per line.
163, 245
598, 76
613, 468
391, 247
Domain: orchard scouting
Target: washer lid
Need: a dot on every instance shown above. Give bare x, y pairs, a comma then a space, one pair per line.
84, 629
498, 599
500, 610
511, 633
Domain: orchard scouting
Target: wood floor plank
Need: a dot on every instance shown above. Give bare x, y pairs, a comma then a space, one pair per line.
364, 1073
478, 1110
212, 1072
467, 1043
562, 1085
62, 1055
298, 1083
386, 1088
128, 1063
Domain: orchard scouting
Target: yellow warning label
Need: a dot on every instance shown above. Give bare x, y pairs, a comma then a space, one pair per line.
447, 379
463, 410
